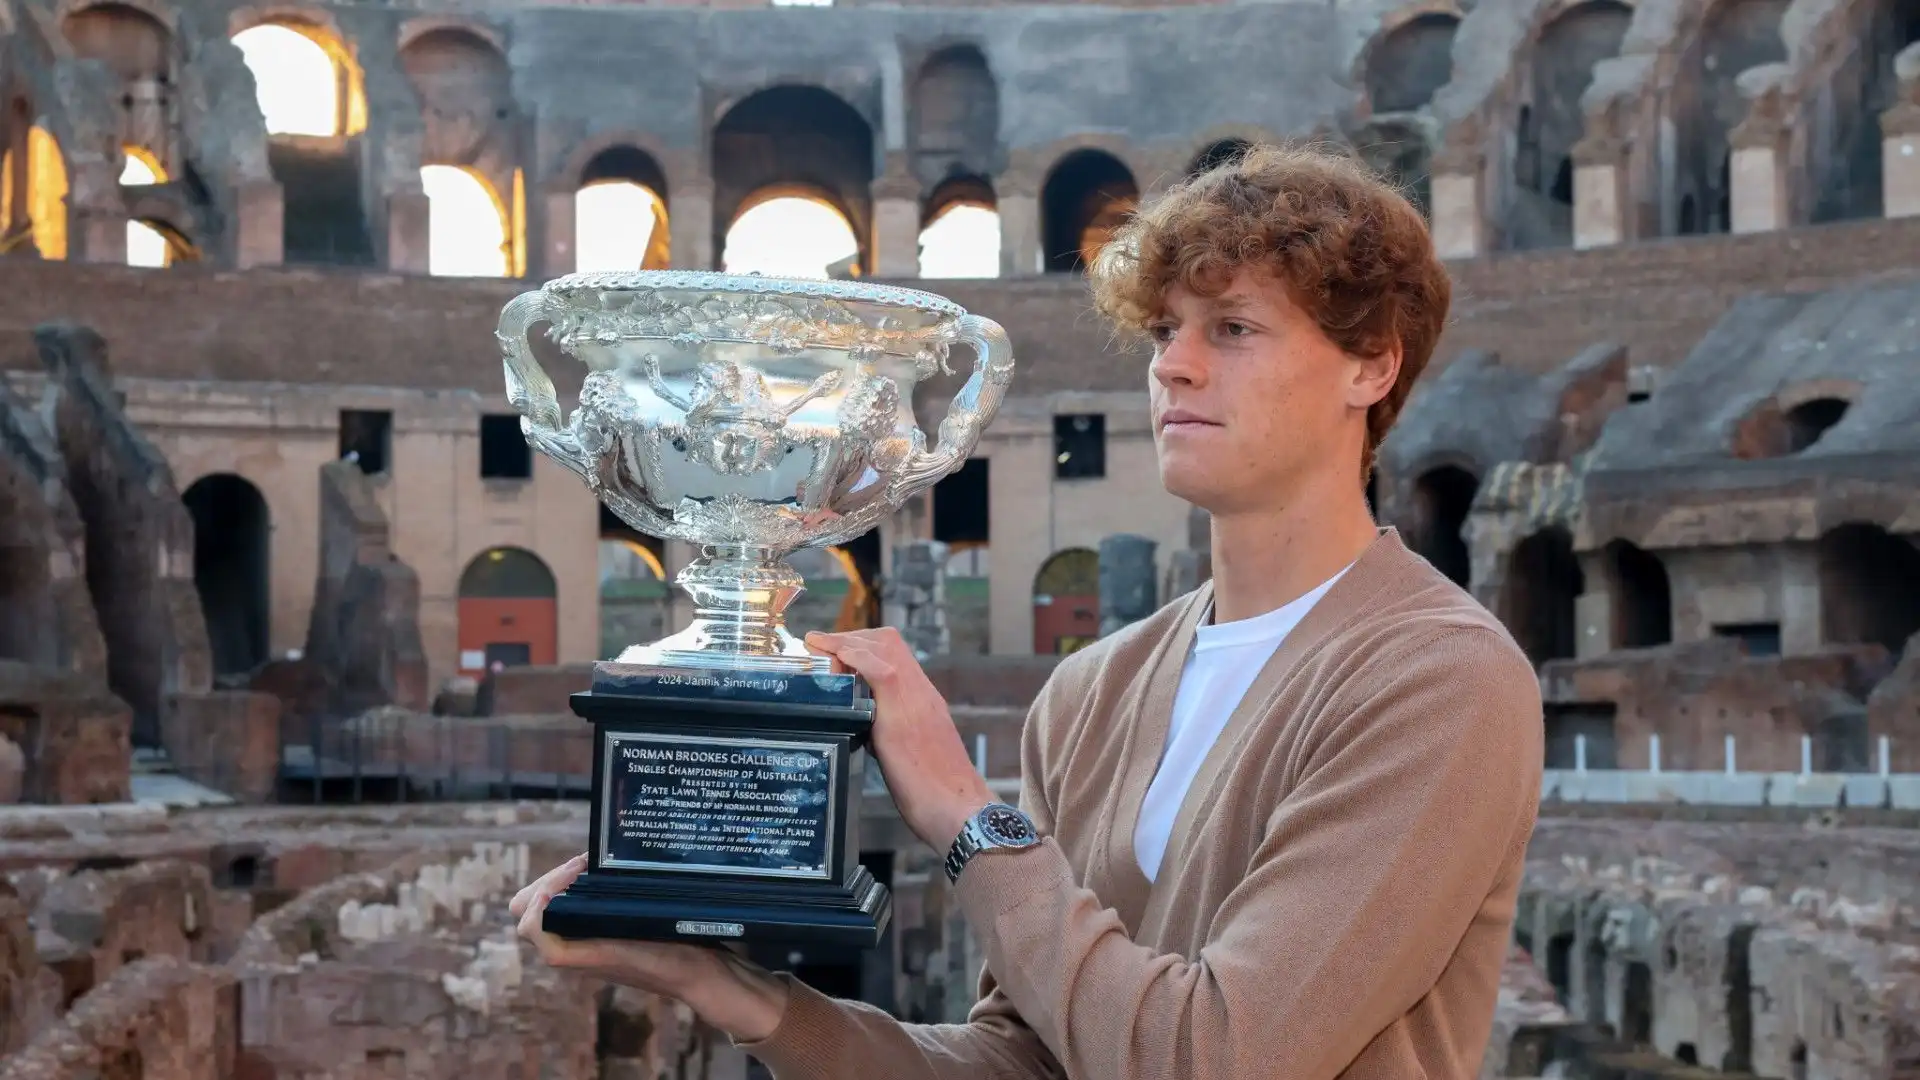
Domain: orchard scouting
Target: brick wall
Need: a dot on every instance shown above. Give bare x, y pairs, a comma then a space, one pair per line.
322, 326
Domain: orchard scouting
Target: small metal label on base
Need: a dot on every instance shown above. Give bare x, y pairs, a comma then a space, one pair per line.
713, 804
709, 929
698, 684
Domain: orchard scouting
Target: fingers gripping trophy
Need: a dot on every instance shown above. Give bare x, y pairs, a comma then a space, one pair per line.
752, 417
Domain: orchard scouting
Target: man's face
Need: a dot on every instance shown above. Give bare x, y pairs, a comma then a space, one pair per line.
1252, 404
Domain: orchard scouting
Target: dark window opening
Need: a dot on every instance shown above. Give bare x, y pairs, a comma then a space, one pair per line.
366, 438
960, 505
1080, 446
1756, 639
505, 453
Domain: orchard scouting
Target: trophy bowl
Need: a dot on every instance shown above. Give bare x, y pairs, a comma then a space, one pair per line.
751, 416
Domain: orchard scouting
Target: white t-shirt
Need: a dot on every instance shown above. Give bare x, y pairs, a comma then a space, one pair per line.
1225, 659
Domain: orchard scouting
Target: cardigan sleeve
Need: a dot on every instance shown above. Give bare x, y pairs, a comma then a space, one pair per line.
824, 1038
1418, 798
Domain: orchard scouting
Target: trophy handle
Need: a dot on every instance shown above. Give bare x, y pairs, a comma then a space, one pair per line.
972, 407
530, 391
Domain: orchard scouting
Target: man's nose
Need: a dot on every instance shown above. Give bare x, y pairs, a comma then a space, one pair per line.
1181, 360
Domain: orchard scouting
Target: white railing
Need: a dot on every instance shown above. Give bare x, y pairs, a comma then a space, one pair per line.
1730, 786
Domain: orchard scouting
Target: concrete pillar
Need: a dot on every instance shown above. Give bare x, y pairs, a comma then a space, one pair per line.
1600, 197
1459, 218
557, 255
260, 233
409, 232
1758, 184
690, 223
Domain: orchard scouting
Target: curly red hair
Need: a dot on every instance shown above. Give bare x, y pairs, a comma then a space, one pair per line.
1346, 245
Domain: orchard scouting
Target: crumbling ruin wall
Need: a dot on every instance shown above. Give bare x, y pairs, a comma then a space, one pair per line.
71, 733
46, 613
364, 631
159, 1018
139, 536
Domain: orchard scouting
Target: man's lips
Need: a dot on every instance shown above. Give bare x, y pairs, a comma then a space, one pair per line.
1181, 419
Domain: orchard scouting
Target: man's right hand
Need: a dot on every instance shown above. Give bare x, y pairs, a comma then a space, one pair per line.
725, 991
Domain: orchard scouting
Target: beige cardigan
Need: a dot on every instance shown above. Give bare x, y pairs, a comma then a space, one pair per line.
1337, 894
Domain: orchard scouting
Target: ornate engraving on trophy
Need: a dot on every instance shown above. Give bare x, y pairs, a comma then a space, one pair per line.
715, 805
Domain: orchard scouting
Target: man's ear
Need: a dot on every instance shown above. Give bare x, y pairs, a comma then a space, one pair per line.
1374, 377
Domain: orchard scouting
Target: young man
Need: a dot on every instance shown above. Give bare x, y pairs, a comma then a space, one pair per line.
1275, 829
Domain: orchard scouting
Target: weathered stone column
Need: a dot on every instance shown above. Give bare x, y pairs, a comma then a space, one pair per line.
1600, 196
895, 243
914, 597
1020, 228
1192, 566
260, 233
409, 231
1759, 175
1458, 200
1900, 141
1128, 581
690, 225
558, 256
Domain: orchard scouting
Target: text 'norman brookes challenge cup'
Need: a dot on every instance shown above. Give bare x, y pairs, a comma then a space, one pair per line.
751, 416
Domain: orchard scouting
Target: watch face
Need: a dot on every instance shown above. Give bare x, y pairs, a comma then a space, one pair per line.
1007, 826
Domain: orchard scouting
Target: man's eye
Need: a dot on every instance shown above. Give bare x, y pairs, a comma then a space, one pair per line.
1161, 332
1236, 329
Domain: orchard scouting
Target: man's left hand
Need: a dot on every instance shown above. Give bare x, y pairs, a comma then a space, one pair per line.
928, 772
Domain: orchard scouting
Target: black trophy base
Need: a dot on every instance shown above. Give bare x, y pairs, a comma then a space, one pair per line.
726, 808
649, 909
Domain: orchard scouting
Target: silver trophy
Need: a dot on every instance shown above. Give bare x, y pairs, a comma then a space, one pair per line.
751, 416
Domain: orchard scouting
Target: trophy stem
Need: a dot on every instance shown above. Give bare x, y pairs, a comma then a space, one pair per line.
740, 596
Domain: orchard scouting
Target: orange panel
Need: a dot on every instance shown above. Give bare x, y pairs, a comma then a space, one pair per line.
514, 631
1065, 624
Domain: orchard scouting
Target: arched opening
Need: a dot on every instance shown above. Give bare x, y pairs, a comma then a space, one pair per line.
33, 199
1414, 60
139, 51
635, 595
466, 224
508, 611
1736, 35
305, 78
1642, 596
1217, 154
620, 213
1087, 196
1442, 498
955, 107
1543, 585
146, 245
960, 236
793, 141
1066, 601
232, 552
312, 95
1564, 57
1869, 587
1769, 431
788, 232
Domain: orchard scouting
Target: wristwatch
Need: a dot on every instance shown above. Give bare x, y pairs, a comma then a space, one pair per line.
997, 827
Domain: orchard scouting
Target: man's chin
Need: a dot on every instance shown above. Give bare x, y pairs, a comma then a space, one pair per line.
1185, 480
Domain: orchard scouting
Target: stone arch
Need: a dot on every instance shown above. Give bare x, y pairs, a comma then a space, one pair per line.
1442, 497
1572, 40
1066, 601
1410, 60
1087, 195
346, 83
793, 230
1539, 599
137, 46
620, 186
1707, 105
1791, 422
1869, 586
232, 569
33, 186
1639, 593
509, 611
794, 134
469, 118
636, 594
1216, 153
960, 229
954, 125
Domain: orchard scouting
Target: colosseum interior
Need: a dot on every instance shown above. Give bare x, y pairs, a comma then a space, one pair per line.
283, 661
